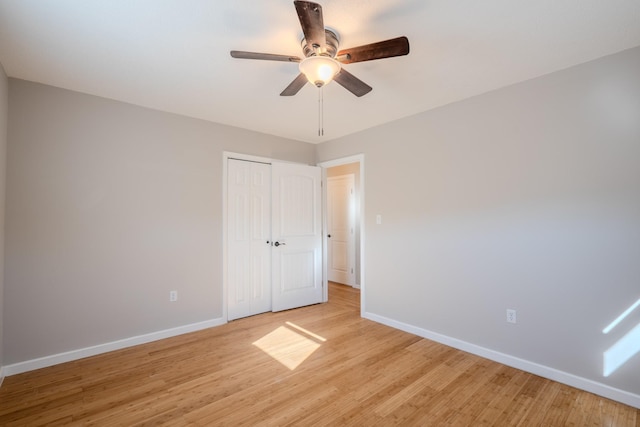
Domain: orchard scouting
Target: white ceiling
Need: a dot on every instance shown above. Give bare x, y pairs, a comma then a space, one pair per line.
173, 55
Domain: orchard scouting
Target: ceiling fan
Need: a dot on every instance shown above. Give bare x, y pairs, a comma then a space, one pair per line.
323, 61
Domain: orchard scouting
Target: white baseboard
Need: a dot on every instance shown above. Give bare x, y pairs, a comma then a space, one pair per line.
1, 375
43, 362
515, 362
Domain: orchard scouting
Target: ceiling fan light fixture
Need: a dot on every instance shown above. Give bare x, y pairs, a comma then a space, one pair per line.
319, 70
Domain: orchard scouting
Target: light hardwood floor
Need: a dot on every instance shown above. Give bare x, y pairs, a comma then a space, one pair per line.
318, 365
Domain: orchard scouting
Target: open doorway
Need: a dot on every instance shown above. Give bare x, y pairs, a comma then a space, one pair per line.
343, 228
343, 209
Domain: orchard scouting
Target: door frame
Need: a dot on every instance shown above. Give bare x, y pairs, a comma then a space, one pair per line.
357, 158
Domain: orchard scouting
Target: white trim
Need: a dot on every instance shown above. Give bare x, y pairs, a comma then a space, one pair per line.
43, 362
325, 243
515, 362
1, 375
239, 156
357, 158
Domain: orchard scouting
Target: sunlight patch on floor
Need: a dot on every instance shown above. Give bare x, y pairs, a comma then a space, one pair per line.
290, 344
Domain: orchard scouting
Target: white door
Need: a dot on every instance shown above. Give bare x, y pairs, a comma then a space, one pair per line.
297, 235
341, 241
248, 238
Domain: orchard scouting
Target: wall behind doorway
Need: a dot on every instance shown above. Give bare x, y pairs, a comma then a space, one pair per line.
352, 168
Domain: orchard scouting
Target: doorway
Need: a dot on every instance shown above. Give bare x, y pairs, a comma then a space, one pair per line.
342, 227
352, 165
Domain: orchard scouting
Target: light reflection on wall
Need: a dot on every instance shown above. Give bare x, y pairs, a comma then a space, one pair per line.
625, 348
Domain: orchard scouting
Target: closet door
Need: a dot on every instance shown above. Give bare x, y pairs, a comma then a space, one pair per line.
297, 236
248, 238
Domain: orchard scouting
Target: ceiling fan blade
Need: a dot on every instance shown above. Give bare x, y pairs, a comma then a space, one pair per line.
385, 49
295, 86
352, 83
265, 56
310, 16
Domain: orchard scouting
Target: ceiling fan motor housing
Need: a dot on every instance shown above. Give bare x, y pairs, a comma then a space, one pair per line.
331, 46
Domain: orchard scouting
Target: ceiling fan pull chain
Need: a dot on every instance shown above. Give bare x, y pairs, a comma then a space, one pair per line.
322, 108
320, 112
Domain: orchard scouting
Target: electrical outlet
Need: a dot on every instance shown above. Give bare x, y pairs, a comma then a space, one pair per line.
173, 296
511, 315
378, 219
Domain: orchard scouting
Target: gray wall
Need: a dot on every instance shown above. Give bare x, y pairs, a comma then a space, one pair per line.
109, 207
4, 111
526, 197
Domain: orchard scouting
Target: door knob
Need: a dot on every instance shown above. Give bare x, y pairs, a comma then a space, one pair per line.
276, 244
329, 235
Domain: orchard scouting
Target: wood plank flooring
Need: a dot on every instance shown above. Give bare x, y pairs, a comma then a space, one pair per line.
314, 366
